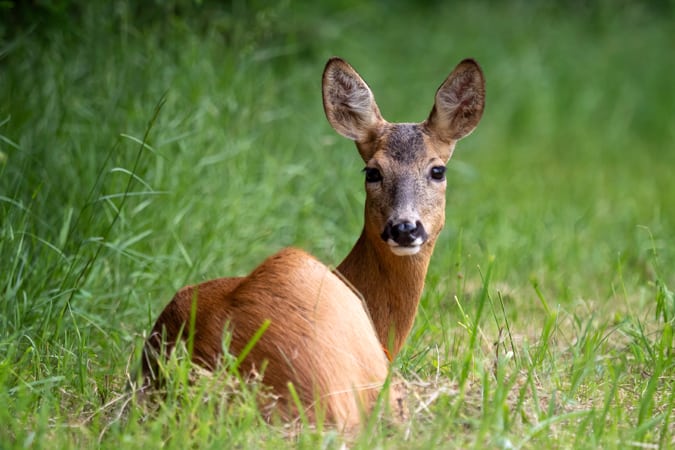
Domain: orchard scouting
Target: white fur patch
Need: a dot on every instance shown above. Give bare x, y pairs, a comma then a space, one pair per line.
405, 251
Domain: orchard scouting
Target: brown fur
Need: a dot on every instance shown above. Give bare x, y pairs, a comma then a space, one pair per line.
321, 337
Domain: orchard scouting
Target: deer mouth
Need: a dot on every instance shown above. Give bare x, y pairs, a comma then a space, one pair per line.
404, 250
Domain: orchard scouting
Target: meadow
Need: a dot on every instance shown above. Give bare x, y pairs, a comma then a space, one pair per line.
149, 145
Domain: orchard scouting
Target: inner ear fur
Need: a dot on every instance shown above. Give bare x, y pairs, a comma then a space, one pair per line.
349, 103
458, 105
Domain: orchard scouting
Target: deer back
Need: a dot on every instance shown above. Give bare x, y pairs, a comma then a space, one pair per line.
319, 337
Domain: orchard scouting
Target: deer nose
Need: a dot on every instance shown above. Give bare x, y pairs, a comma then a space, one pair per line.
405, 233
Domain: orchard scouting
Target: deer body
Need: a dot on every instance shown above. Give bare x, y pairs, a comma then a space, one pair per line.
321, 337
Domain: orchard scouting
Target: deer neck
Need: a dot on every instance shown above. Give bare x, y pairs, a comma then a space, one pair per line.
391, 285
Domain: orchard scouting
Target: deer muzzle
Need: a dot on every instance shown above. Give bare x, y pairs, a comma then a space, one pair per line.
404, 237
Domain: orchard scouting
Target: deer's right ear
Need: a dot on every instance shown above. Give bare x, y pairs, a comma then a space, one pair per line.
459, 103
349, 103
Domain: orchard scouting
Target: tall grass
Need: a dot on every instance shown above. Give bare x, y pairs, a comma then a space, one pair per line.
145, 148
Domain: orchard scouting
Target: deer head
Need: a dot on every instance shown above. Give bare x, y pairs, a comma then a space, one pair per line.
405, 162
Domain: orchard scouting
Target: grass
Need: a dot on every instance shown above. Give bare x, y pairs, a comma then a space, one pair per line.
145, 149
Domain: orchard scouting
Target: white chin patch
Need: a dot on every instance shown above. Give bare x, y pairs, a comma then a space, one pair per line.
405, 251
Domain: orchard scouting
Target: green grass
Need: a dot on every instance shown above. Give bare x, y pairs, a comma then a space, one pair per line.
142, 150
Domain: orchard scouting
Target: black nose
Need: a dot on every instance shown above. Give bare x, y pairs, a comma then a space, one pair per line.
405, 233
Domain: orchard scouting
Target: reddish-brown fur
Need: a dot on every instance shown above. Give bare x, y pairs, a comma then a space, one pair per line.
321, 337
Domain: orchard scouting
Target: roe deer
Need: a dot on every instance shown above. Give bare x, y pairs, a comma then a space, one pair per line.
321, 336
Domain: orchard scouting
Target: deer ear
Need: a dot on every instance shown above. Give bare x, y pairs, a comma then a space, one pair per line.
349, 104
459, 103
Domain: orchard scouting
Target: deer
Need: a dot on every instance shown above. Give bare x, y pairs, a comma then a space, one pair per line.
332, 334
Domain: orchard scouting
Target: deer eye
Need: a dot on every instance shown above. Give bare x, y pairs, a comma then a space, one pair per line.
438, 173
372, 175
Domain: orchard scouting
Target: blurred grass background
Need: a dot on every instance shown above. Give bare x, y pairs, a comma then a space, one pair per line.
565, 191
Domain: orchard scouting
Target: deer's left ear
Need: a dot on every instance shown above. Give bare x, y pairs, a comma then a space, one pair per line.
349, 104
459, 104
